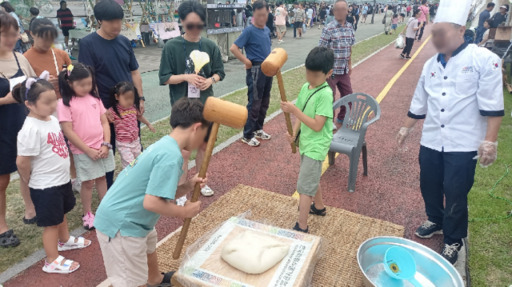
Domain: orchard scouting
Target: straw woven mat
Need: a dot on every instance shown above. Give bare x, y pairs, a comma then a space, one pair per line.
343, 230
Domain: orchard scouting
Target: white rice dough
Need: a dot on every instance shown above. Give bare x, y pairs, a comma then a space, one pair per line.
254, 253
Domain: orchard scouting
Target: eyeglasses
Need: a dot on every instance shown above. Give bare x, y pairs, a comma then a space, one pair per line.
192, 26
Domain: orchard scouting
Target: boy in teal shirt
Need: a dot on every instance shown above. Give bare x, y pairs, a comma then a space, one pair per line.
144, 190
314, 114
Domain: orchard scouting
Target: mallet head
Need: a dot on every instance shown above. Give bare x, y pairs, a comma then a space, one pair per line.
274, 62
225, 113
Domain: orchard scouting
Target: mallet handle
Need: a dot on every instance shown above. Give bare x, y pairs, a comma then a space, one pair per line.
197, 189
286, 115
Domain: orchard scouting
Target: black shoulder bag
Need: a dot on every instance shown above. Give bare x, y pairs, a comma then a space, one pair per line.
304, 108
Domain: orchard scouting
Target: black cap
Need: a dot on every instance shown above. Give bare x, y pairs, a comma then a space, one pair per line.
108, 10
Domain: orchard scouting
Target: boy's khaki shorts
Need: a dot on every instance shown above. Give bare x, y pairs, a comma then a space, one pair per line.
281, 28
309, 176
125, 258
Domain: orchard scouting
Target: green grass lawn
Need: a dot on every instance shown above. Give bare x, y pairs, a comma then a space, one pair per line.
490, 241
30, 235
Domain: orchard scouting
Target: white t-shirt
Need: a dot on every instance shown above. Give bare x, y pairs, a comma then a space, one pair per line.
310, 13
44, 142
411, 25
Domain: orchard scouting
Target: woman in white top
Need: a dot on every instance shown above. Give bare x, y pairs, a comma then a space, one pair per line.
310, 17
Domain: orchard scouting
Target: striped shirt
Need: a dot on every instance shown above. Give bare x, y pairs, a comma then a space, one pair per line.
340, 39
66, 18
126, 126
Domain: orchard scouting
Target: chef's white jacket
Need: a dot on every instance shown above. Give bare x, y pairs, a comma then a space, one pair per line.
457, 99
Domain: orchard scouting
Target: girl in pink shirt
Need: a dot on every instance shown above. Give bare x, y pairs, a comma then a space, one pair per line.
84, 123
394, 23
124, 114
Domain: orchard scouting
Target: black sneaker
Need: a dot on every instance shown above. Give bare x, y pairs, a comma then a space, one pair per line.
408, 57
402, 56
297, 228
451, 252
428, 229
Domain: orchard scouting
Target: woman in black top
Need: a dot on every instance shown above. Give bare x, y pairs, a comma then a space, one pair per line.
270, 22
355, 14
350, 16
14, 68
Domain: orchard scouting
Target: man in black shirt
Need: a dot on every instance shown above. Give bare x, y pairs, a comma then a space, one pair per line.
499, 17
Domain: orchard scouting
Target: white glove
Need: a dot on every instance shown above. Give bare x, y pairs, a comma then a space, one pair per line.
487, 153
402, 135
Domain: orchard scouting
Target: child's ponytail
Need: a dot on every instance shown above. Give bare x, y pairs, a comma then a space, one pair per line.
113, 101
66, 92
31, 89
75, 73
17, 93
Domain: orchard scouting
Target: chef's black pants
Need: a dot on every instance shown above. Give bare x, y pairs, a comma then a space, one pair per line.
447, 176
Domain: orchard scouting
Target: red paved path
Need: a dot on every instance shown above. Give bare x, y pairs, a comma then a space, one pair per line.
390, 192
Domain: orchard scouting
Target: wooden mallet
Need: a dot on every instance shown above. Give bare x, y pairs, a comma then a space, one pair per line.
219, 112
272, 67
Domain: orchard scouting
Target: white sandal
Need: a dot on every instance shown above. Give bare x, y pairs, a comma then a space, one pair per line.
71, 244
58, 268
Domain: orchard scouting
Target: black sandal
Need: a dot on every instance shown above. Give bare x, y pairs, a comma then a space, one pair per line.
33, 220
9, 239
319, 212
166, 282
297, 228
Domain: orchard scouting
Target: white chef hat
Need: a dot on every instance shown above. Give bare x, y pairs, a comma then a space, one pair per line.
453, 11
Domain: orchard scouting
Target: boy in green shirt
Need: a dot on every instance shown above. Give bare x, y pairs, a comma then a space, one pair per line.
144, 190
314, 114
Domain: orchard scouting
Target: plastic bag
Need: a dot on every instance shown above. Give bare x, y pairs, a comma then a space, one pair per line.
400, 42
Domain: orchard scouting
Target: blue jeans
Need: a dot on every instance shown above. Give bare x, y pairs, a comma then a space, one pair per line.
258, 94
479, 34
450, 176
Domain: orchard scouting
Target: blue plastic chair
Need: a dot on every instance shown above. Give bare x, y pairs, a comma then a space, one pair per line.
362, 111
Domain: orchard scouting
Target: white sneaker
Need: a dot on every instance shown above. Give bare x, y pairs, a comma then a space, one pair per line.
251, 142
76, 185
261, 134
181, 201
207, 191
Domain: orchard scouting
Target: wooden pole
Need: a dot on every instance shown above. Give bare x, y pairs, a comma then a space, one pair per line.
197, 188
286, 115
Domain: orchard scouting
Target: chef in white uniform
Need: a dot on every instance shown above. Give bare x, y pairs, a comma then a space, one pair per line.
460, 96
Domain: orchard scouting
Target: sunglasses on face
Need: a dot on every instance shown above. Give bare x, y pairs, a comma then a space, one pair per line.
192, 26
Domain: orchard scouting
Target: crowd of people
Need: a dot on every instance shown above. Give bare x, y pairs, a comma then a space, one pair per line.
303, 16
62, 122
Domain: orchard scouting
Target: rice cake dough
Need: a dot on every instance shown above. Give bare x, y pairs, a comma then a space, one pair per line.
254, 253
